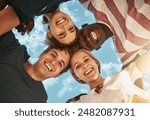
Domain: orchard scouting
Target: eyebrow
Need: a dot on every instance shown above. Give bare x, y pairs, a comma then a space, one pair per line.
75, 64
73, 29
62, 62
84, 57
55, 53
60, 35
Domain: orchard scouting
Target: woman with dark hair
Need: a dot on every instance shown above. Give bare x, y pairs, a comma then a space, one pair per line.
116, 88
21, 11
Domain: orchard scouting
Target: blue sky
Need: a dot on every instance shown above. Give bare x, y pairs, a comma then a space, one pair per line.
65, 87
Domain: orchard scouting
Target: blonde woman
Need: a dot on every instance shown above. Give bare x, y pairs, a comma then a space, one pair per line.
118, 88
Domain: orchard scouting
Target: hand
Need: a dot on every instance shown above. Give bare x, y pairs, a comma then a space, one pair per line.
26, 27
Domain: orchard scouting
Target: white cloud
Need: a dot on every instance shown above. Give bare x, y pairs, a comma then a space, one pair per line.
110, 68
50, 82
67, 86
84, 90
34, 41
70, 85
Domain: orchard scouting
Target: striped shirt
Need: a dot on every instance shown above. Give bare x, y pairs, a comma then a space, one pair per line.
129, 20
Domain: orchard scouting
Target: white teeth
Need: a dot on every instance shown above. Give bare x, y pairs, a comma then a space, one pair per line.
61, 20
49, 68
87, 72
94, 35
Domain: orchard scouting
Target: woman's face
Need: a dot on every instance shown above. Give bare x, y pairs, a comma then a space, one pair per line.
62, 28
84, 66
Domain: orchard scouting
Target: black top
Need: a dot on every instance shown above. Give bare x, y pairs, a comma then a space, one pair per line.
26, 9
15, 83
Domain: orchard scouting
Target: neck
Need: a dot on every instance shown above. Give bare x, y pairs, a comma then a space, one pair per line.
96, 82
31, 70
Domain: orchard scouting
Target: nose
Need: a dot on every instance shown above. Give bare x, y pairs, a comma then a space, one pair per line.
63, 25
84, 66
53, 62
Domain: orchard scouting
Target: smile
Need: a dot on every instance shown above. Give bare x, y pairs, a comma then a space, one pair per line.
48, 66
94, 35
88, 71
60, 20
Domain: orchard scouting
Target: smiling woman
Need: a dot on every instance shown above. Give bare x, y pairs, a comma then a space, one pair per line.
118, 88
62, 28
21, 11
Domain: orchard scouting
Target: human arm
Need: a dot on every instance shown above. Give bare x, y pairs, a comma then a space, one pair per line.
8, 20
26, 27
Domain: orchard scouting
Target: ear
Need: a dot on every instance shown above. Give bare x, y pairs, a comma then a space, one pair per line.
49, 34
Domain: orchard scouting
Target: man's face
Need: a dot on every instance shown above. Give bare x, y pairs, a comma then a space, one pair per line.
50, 64
62, 28
94, 35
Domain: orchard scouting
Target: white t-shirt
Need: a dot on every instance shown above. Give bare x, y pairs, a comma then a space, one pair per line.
118, 88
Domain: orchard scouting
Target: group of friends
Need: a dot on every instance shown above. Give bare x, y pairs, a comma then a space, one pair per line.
127, 21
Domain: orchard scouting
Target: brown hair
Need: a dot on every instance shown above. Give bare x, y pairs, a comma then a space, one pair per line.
90, 54
54, 42
60, 48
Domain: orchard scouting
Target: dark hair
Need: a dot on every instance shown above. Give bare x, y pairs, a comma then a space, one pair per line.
54, 42
60, 48
90, 54
85, 42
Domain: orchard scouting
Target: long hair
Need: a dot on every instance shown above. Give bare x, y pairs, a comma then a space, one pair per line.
54, 42
72, 71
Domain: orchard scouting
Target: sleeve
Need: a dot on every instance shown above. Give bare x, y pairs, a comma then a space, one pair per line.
9, 96
8, 40
122, 82
22, 8
22, 17
134, 72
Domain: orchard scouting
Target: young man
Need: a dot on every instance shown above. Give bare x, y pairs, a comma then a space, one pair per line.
20, 11
20, 81
129, 22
